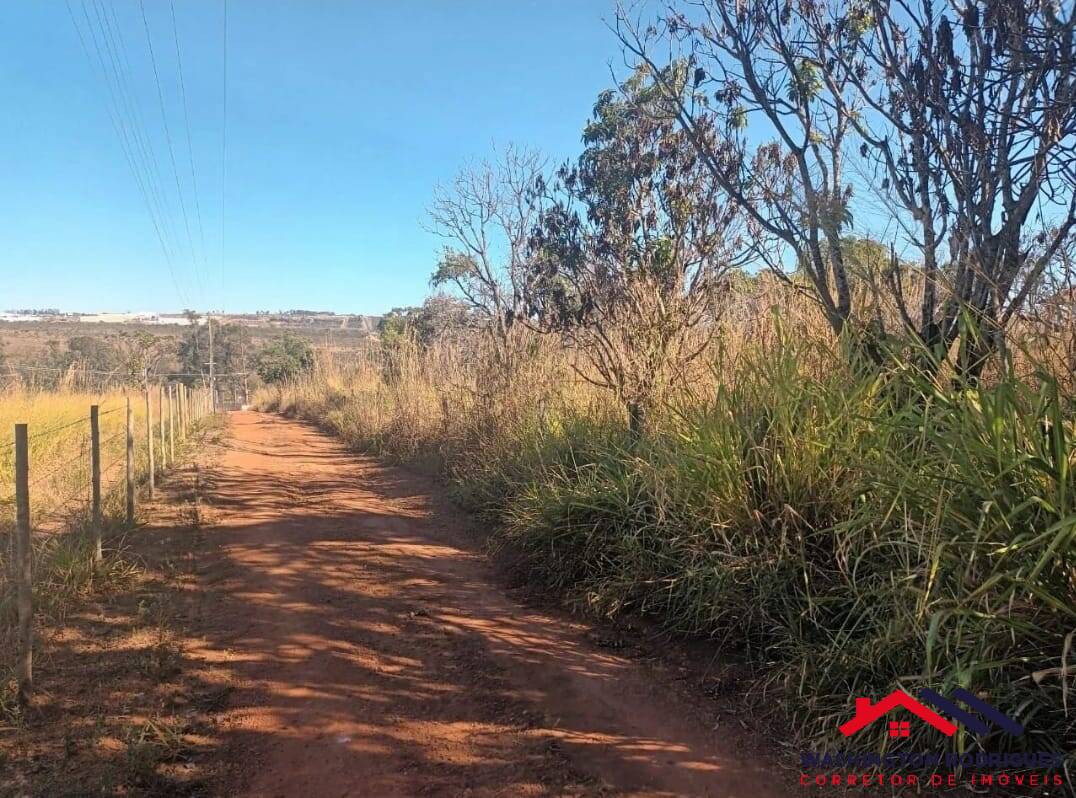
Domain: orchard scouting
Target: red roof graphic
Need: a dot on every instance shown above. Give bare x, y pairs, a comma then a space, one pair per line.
867, 713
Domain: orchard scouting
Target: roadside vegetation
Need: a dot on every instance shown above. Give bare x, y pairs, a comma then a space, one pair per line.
54, 401
59, 456
117, 707
784, 358
121, 707
847, 533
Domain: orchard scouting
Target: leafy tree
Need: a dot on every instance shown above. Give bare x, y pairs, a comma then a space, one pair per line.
405, 331
57, 360
231, 349
396, 333
395, 324
630, 252
284, 358
443, 317
93, 352
139, 354
128, 356
756, 118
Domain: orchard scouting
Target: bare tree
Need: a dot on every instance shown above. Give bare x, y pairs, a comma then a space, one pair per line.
757, 122
970, 117
969, 122
485, 216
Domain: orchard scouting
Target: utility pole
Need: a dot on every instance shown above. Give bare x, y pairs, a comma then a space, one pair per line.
212, 372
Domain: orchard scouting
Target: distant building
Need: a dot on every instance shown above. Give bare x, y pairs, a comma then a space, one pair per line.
135, 318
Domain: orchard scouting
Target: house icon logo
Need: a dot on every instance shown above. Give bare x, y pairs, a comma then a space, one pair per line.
868, 712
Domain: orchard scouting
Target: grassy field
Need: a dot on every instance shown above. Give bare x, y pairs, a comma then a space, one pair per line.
59, 431
119, 707
60, 494
849, 533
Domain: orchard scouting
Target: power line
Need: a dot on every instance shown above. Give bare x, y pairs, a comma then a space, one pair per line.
171, 149
190, 145
116, 47
110, 24
125, 131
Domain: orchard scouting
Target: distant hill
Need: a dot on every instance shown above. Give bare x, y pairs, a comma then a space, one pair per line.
25, 336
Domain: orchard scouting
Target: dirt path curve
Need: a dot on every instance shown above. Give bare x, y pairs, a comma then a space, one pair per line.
373, 652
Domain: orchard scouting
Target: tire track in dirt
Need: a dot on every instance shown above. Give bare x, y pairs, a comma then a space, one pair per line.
373, 653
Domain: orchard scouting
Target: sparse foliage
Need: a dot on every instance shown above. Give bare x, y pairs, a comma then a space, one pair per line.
965, 115
970, 118
485, 217
628, 258
755, 115
231, 350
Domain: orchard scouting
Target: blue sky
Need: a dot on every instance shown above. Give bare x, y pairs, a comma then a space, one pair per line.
342, 116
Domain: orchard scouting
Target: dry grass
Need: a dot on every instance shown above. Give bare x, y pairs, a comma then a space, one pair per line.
122, 705
849, 532
59, 432
59, 456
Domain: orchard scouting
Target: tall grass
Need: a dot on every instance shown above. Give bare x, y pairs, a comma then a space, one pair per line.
59, 439
59, 478
849, 532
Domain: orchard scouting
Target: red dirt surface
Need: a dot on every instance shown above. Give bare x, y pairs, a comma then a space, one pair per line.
374, 652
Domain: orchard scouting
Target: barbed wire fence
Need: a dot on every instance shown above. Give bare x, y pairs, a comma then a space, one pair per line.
62, 481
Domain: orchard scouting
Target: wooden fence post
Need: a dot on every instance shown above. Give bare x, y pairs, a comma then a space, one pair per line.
181, 392
130, 466
171, 427
95, 480
149, 440
24, 599
160, 418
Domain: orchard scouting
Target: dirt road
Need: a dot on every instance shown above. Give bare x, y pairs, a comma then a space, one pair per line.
374, 653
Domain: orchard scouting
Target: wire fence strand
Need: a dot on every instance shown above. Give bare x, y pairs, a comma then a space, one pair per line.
52, 472
47, 431
64, 536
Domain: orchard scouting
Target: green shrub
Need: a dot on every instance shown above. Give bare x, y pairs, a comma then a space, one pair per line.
284, 359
